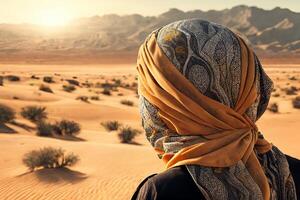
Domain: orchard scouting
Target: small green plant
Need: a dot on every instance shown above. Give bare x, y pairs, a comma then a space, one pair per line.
296, 102
45, 88
66, 127
34, 113
12, 78
127, 134
83, 98
273, 108
44, 129
48, 79
111, 125
127, 102
49, 157
69, 88
7, 114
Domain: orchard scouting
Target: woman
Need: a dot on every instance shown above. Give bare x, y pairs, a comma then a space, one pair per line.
201, 90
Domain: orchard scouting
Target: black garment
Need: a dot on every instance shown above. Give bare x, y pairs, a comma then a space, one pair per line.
177, 184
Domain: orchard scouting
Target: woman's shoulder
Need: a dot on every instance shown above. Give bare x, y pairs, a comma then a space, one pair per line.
174, 183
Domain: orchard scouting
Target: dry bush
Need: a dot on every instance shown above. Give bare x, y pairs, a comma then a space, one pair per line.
45, 88
291, 90
73, 82
273, 108
1, 80
127, 134
48, 79
34, 77
49, 157
276, 95
106, 91
95, 98
7, 114
69, 88
13, 78
296, 102
66, 127
127, 102
83, 98
111, 125
44, 129
34, 113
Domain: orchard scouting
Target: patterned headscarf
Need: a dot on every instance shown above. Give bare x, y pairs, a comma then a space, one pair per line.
209, 56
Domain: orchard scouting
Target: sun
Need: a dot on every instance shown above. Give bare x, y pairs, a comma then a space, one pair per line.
54, 17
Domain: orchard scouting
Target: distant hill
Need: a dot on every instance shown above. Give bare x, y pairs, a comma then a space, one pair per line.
270, 32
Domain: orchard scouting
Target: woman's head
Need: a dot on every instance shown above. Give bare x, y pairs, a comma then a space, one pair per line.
216, 62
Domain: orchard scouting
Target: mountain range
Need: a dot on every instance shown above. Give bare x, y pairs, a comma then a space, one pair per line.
270, 32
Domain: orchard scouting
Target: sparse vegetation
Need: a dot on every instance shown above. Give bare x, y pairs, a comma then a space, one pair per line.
106, 91
111, 125
73, 82
127, 134
34, 77
7, 114
12, 78
69, 88
45, 88
49, 157
34, 113
44, 129
273, 108
95, 98
296, 102
48, 79
66, 127
127, 102
1, 80
291, 90
276, 95
83, 98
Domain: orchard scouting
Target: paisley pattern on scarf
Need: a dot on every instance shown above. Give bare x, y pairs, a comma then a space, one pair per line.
209, 56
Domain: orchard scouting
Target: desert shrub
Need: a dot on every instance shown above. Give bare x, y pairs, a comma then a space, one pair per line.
69, 88
106, 91
45, 88
117, 82
127, 102
1, 80
291, 90
296, 102
12, 78
292, 78
111, 125
66, 127
95, 98
34, 77
49, 157
48, 79
276, 95
44, 129
273, 108
34, 113
7, 114
127, 134
73, 82
120, 94
83, 98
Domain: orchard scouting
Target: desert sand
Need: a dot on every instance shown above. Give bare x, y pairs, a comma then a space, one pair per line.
107, 169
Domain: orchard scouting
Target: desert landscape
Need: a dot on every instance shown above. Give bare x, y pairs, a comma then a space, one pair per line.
108, 169
71, 93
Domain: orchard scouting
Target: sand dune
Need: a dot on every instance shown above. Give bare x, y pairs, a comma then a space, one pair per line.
107, 169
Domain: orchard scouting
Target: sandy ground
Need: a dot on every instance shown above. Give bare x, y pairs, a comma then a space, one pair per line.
107, 169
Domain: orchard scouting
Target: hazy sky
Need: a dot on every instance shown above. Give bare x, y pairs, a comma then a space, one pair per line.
60, 11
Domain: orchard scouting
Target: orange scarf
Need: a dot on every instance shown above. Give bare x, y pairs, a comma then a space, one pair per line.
229, 135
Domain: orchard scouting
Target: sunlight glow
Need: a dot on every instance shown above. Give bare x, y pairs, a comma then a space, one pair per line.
54, 17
